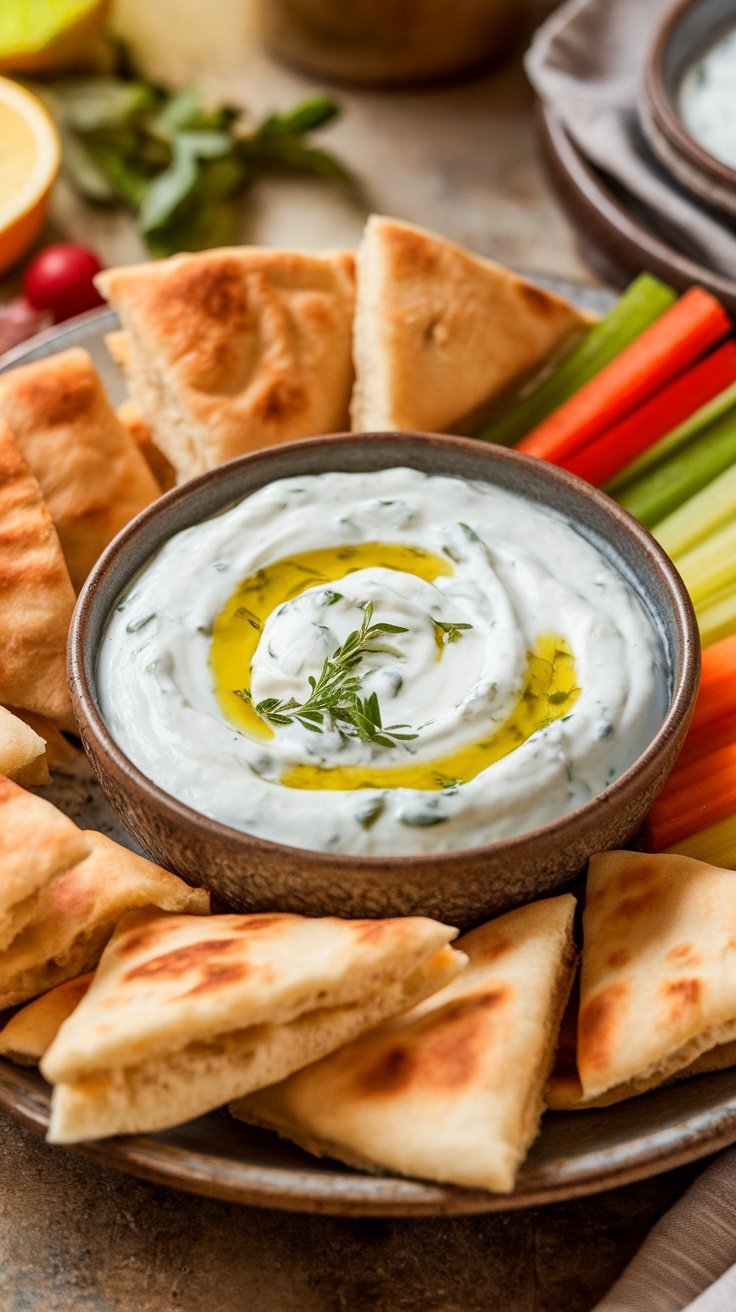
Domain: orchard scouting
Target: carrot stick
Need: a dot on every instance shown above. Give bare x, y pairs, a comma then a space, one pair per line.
717, 693
606, 455
710, 797
701, 742
670, 345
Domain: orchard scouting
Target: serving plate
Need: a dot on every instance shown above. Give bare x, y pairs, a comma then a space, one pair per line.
575, 1154
619, 241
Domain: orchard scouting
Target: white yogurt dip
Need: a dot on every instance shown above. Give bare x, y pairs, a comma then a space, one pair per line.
525, 667
708, 100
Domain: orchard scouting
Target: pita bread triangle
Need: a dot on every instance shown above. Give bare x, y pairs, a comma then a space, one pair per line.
28, 1034
91, 473
184, 1014
61, 931
442, 336
22, 751
658, 972
36, 595
37, 842
235, 349
452, 1090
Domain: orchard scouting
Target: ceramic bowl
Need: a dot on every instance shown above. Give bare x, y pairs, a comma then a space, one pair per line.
688, 30
464, 887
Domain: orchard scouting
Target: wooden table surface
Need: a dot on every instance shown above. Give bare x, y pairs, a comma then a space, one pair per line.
75, 1237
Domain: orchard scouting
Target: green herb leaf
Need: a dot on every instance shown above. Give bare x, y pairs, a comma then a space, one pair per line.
335, 694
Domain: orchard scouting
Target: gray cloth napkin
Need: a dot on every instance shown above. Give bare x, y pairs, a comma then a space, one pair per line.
586, 62
687, 1262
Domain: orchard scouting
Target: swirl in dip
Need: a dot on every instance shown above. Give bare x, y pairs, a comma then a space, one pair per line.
523, 663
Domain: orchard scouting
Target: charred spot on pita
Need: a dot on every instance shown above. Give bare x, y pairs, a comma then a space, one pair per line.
678, 996
597, 1024
193, 956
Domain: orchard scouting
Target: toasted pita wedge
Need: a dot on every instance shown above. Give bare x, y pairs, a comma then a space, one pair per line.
36, 595
61, 751
61, 931
658, 975
31, 1031
22, 751
37, 842
92, 475
231, 350
451, 1091
185, 1014
135, 425
118, 345
441, 336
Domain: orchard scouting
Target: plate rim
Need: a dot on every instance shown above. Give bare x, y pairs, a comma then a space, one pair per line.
342, 1191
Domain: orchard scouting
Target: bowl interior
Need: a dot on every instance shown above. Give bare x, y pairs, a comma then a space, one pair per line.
687, 33
623, 542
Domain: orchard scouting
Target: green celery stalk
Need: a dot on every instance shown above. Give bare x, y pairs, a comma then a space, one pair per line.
717, 619
643, 302
699, 516
672, 441
662, 489
711, 566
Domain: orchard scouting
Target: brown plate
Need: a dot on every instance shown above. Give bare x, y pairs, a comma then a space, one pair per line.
575, 1154
216, 1156
622, 243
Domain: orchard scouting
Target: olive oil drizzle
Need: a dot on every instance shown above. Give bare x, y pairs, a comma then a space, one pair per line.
548, 688
548, 692
237, 629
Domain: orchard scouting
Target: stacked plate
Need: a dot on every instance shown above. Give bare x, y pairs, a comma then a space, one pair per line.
687, 116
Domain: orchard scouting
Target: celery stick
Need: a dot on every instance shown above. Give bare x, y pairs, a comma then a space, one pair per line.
717, 619
716, 844
721, 404
643, 302
664, 488
698, 517
711, 566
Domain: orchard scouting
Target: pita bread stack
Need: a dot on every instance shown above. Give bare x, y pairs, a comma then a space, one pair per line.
31, 1031
236, 349
452, 1091
36, 594
37, 843
443, 336
92, 475
185, 1013
63, 929
22, 751
136, 427
658, 978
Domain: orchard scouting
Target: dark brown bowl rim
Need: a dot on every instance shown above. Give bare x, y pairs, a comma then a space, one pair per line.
682, 694
662, 106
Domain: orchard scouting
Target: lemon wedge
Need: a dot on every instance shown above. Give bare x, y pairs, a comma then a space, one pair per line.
43, 36
29, 162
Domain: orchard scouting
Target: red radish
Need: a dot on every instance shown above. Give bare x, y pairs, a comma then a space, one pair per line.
59, 279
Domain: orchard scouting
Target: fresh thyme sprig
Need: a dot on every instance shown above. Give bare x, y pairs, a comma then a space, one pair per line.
448, 629
335, 696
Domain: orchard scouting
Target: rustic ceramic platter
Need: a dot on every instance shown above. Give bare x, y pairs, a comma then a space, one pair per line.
216, 1156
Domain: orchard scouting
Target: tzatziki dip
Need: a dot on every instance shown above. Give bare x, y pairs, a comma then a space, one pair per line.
385, 663
708, 99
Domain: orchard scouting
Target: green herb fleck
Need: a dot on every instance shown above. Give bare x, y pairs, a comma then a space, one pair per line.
135, 626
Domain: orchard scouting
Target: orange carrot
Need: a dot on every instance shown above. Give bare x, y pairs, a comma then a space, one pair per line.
670, 345
717, 694
709, 796
626, 440
705, 739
